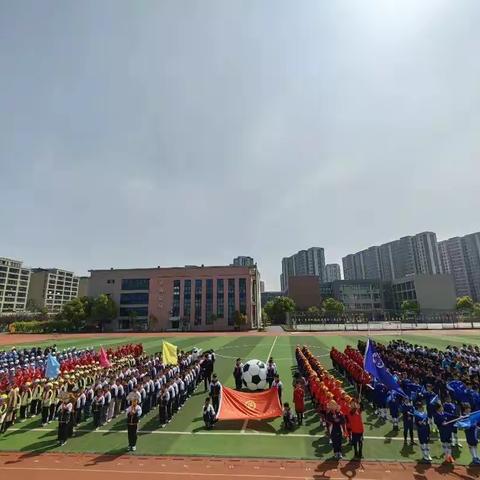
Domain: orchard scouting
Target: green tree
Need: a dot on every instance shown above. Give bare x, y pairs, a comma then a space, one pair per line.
74, 312
332, 307
240, 319
410, 307
43, 314
476, 310
212, 319
314, 311
465, 304
104, 310
87, 305
278, 308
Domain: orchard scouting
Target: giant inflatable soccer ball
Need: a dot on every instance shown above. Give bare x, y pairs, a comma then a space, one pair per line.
254, 375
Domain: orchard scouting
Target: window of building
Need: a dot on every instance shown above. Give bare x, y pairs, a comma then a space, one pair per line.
231, 302
135, 284
220, 299
242, 291
134, 298
198, 302
176, 299
138, 311
208, 301
112, 281
187, 299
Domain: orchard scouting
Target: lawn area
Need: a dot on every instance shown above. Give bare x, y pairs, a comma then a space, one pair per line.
185, 435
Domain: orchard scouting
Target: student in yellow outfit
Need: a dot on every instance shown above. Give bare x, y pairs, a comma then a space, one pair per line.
25, 401
47, 400
36, 405
13, 407
3, 412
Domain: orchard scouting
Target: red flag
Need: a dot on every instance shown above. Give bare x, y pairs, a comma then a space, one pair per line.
236, 405
103, 359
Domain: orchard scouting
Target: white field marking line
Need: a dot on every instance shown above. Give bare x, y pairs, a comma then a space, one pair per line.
271, 349
277, 358
165, 432
163, 472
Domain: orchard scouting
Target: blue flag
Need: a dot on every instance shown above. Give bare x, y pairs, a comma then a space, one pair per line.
422, 416
458, 390
374, 365
53, 367
470, 421
434, 400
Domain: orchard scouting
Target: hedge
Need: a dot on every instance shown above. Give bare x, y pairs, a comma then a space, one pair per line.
48, 326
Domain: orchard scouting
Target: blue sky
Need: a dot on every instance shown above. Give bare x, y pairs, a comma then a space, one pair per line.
144, 133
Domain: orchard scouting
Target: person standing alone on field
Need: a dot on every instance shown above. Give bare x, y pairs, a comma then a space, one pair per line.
207, 370
237, 374
271, 371
134, 412
277, 383
215, 393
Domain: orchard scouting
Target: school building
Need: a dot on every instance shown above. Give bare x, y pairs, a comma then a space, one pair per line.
190, 298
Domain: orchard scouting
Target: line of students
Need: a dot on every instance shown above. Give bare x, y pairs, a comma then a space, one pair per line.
428, 408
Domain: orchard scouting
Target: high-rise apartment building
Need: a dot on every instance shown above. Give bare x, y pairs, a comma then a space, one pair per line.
454, 261
410, 255
243, 261
14, 282
51, 288
460, 256
304, 262
472, 253
332, 272
427, 257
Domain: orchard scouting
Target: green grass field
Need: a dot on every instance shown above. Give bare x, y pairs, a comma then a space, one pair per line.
185, 435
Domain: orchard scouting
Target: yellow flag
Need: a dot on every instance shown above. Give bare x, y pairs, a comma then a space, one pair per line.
169, 354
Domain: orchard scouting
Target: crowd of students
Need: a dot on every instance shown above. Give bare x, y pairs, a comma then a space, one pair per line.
133, 382
438, 389
340, 413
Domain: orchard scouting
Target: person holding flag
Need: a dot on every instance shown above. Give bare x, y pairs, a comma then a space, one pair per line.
169, 353
373, 364
470, 423
445, 427
423, 430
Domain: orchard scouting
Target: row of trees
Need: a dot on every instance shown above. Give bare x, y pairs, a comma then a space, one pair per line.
467, 307
85, 312
276, 310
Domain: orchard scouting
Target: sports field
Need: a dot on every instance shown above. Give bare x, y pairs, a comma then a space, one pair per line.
186, 435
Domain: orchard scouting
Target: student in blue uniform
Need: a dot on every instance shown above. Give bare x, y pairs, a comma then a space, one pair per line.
451, 409
441, 419
380, 394
471, 435
423, 430
407, 416
393, 402
430, 400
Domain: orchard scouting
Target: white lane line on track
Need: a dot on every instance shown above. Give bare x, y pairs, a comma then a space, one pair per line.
165, 432
163, 472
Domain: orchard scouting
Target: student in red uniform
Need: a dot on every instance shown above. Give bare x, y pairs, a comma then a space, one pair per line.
299, 401
355, 424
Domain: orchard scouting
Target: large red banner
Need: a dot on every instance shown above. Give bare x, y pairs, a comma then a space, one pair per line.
248, 405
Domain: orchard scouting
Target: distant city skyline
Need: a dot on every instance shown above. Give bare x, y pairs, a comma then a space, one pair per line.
164, 133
